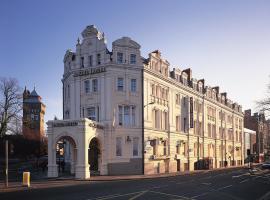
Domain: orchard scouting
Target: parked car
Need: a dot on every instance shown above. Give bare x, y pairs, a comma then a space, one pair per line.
266, 165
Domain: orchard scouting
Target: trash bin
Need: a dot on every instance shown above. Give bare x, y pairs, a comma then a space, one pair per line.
26, 179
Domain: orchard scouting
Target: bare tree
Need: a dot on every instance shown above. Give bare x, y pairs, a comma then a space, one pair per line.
264, 104
10, 106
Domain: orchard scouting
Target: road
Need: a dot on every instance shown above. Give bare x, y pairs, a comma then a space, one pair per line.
235, 184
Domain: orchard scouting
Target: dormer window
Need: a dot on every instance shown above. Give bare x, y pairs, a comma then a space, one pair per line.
184, 81
119, 57
132, 58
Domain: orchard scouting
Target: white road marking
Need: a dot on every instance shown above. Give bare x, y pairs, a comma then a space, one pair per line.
265, 196
138, 195
240, 175
206, 183
172, 195
244, 181
115, 195
224, 187
156, 187
205, 193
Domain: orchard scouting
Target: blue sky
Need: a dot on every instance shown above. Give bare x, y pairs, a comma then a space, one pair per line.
225, 42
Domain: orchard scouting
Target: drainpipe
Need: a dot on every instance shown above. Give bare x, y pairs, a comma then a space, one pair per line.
142, 83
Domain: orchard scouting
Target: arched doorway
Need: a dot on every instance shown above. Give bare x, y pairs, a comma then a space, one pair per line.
66, 155
94, 156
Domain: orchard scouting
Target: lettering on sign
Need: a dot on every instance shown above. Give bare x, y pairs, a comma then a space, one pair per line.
96, 126
90, 71
63, 124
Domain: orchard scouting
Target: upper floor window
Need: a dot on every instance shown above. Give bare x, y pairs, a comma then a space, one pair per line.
98, 59
67, 114
87, 86
120, 84
133, 85
94, 85
90, 61
119, 57
132, 58
184, 81
177, 99
82, 62
93, 113
178, 123
126, 115
68, 91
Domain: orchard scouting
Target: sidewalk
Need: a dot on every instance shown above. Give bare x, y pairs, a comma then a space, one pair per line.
70, 180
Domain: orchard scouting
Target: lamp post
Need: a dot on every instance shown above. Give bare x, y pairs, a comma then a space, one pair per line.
6, 171
143, 106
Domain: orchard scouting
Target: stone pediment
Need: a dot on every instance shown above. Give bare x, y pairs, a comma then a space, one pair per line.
126, 42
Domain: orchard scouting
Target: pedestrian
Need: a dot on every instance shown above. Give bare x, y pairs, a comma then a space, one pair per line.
226, 163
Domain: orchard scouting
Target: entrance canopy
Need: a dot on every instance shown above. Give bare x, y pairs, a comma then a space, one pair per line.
80, 132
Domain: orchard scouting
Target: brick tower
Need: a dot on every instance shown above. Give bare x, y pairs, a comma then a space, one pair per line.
33, 115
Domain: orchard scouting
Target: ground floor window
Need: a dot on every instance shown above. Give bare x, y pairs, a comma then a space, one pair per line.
118, 146
135, 146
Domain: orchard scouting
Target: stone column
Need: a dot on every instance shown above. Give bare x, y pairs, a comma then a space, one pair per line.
52, 166
82, 166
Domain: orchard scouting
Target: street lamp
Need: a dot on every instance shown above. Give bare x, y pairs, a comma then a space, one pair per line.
151, 103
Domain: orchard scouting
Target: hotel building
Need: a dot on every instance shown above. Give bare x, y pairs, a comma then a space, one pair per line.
125, 114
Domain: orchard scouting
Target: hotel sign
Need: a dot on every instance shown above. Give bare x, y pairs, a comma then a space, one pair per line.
89, 71
94, 125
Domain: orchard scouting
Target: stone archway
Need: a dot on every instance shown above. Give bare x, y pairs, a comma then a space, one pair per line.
94, 156
66, 155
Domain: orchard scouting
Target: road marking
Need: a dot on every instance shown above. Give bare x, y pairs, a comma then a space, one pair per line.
240, 175
224, 187
173, 195
265, 196
114, 196
156, 187
138, 195
244, 181
206, 183
205, 193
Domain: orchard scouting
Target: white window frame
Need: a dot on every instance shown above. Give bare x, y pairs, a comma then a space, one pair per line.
135, 146
119, 85
95, 85
127, 115
133, 88
118, 146
87, 86
133, 60
120, 57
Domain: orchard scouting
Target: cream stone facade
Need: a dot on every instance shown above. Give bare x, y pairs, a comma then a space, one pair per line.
147, 118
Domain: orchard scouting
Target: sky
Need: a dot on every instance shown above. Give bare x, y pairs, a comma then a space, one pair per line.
225, 42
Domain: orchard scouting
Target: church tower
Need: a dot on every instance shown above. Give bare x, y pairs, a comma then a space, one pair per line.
33, 115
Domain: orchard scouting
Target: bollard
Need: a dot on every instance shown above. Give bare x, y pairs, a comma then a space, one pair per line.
26, 179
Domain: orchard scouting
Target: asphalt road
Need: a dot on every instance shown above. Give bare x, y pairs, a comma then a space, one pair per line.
227, 184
